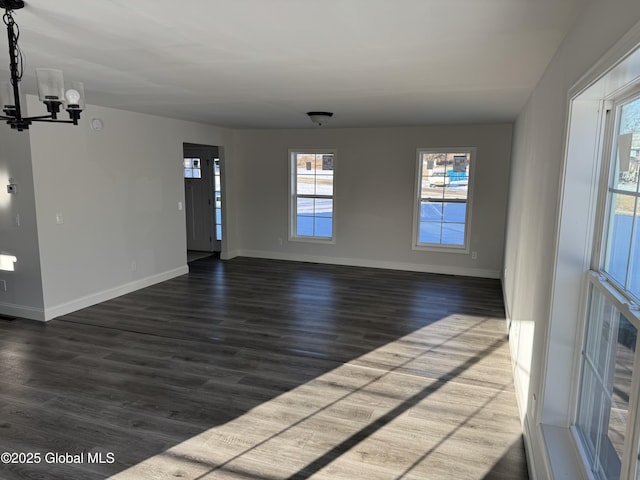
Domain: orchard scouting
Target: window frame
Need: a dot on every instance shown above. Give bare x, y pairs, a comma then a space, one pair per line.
465, 248
293, 196
610, 288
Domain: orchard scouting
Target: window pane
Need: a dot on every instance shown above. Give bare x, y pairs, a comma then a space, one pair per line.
430, 211
218, 216
304, 226
606, 385
323, 227
619, 238
306, 164
454, 212
323, 207
634, 266
188, 173
306, 184
627, 161
197, 173
456, 191
218, 232
304, 206
324, 185
430, 232
453, 233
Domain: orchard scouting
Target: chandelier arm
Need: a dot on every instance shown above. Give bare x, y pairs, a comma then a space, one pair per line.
13, 61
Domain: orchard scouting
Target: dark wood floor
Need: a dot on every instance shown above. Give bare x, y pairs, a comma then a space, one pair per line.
259, 369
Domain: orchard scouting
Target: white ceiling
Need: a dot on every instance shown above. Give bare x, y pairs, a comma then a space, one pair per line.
264, 63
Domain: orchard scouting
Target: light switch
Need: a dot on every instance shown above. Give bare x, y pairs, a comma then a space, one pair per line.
179, 205
59, 220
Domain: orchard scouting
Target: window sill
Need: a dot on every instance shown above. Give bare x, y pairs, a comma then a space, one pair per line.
441, 248
564, 459
328, 241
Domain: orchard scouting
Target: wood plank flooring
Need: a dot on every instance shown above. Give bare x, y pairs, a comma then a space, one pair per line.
262, 369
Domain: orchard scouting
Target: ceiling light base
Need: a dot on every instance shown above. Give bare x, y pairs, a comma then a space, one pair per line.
12, 4
320, 118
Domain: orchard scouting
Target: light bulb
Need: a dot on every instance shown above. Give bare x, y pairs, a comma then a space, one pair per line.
73, 96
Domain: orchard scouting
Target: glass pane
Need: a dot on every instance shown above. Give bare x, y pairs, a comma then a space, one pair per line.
305, 185
324, 185
453, 233
323, 227
430, 232
304, 206
438, 179
304, 226
624, 354
218, 216
218, 198
216, 180
188, 163
457, 191
308, 163
627, 160
327, 163
619, 236
430, 211
218, 232
323, 207
188, 173
634, 266
589, 420
454, 211
606, 385
197, 173
216, 166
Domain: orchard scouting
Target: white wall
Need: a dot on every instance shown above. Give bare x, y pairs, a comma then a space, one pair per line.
118, 191
23, 295
374, 189
532, 226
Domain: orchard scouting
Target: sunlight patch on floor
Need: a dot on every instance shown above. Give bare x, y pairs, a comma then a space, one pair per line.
430, 405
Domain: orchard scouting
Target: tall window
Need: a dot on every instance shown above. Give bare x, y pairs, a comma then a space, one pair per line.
311, 195
607, 426
443, 210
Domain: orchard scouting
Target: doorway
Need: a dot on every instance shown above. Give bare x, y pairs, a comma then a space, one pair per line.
203, 199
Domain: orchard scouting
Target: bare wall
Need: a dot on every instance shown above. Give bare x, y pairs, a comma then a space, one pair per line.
374, 189
18, 229
117, 191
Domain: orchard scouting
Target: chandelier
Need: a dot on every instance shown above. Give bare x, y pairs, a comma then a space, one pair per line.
51, 88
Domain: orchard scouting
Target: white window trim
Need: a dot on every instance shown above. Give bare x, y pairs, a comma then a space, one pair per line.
292, 195
435, 247
551, 398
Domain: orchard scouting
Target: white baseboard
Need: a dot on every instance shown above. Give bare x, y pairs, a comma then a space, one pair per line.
22, 311
531, 451
357, 262
228, 255
98, 297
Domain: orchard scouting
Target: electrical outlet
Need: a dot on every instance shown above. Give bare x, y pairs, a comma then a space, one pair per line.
59, 219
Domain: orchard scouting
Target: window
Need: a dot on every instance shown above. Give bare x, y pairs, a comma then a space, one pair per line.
608, 393
192, 168
311, 195
443, 192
